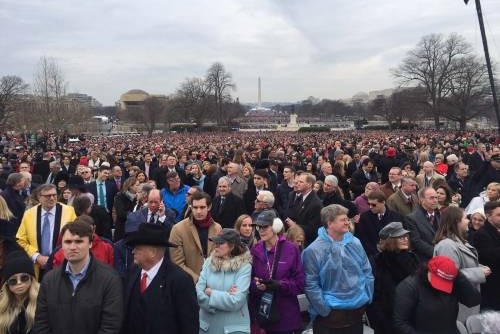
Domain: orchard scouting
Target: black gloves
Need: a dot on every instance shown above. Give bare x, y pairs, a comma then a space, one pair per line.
272, 285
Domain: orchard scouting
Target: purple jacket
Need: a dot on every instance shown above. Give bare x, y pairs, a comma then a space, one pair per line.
290, 274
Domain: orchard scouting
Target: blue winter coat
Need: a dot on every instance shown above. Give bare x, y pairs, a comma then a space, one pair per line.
175, 201
338, 274
222, 312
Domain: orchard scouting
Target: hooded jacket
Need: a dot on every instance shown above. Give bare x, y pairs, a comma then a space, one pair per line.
222, 312
338, 274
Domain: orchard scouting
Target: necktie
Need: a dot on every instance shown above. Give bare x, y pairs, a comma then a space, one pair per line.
396, 188
102, 200
152, 219
118, 184
144, 283
433, 222
221, 205
380, 216
298, 200
45, 249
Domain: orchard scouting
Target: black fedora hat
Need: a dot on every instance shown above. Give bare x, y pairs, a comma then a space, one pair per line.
76, 182
150, 235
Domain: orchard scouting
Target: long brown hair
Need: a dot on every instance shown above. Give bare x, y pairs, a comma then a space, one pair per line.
448, 227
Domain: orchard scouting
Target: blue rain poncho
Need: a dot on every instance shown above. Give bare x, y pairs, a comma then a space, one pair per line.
338, 274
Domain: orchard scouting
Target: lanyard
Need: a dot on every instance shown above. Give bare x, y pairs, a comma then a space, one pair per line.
270, 268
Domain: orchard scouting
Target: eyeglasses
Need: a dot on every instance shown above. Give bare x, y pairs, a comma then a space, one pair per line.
49, 195
403, 237
372, 205
259, 228
14, 280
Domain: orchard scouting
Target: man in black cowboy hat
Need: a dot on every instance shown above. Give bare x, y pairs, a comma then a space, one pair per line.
159, 296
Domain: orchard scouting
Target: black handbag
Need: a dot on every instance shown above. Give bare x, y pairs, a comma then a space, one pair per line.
268, 312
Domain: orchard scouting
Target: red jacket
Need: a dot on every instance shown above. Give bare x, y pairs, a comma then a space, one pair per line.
101, 250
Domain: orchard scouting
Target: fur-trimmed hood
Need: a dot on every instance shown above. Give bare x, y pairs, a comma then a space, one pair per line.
231, 264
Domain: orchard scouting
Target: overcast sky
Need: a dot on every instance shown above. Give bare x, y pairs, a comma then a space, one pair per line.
300, 48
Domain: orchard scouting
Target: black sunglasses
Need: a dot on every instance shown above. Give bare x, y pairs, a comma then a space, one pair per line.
15, 280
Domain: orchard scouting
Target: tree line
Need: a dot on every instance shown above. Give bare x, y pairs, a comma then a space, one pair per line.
440, 78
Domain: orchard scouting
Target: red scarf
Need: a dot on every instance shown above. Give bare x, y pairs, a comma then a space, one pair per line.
205, 223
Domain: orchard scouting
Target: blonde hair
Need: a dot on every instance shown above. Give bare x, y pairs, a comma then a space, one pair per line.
10, 307
294, 232
5, 212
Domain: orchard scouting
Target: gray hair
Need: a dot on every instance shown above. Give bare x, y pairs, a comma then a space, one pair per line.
14, 178
225, 179
146, 187
54, 164
406, 179
330, 212
26, 175
333, 179
267, 197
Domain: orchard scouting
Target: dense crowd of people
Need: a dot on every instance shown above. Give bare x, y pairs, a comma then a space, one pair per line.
231, 232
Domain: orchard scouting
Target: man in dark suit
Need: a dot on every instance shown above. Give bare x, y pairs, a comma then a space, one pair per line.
307, 211
487, 243
103, 189
477, 158
168, 163
226, 206
354, 165
158, 294
423, 223
255, 185
154, 213
283, 191
362, 176
117, 177
148, 165
67, 167
371, 222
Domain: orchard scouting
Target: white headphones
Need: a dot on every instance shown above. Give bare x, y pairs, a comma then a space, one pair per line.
277, 225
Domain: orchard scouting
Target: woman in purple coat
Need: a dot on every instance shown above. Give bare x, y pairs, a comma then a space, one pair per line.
283, 278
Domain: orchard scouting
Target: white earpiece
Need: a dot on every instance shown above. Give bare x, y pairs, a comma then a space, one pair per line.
277, 225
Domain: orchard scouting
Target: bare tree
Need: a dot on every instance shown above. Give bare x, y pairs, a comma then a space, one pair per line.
221, 84
154, 112
469, 89
431, 64
50, 88
11, 87
193, 100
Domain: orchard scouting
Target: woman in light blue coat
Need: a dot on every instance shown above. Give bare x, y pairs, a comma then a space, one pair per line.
222, 288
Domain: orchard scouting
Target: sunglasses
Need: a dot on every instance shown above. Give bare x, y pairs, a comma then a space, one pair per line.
260, 228
15, 279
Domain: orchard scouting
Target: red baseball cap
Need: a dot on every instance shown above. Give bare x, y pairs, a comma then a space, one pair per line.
443, 272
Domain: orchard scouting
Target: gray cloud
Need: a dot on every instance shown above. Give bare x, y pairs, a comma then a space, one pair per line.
329, 49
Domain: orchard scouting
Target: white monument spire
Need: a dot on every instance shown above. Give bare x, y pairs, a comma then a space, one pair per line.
259, 97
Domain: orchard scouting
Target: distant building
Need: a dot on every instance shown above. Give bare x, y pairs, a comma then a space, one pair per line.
85, 100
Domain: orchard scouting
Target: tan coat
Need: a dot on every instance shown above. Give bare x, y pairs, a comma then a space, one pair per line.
398, 202
189, 254
420, 179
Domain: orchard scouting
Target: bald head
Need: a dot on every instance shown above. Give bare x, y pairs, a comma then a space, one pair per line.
428, 167
154, 200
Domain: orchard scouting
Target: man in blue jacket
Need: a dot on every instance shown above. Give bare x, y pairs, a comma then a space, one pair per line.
339, 279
